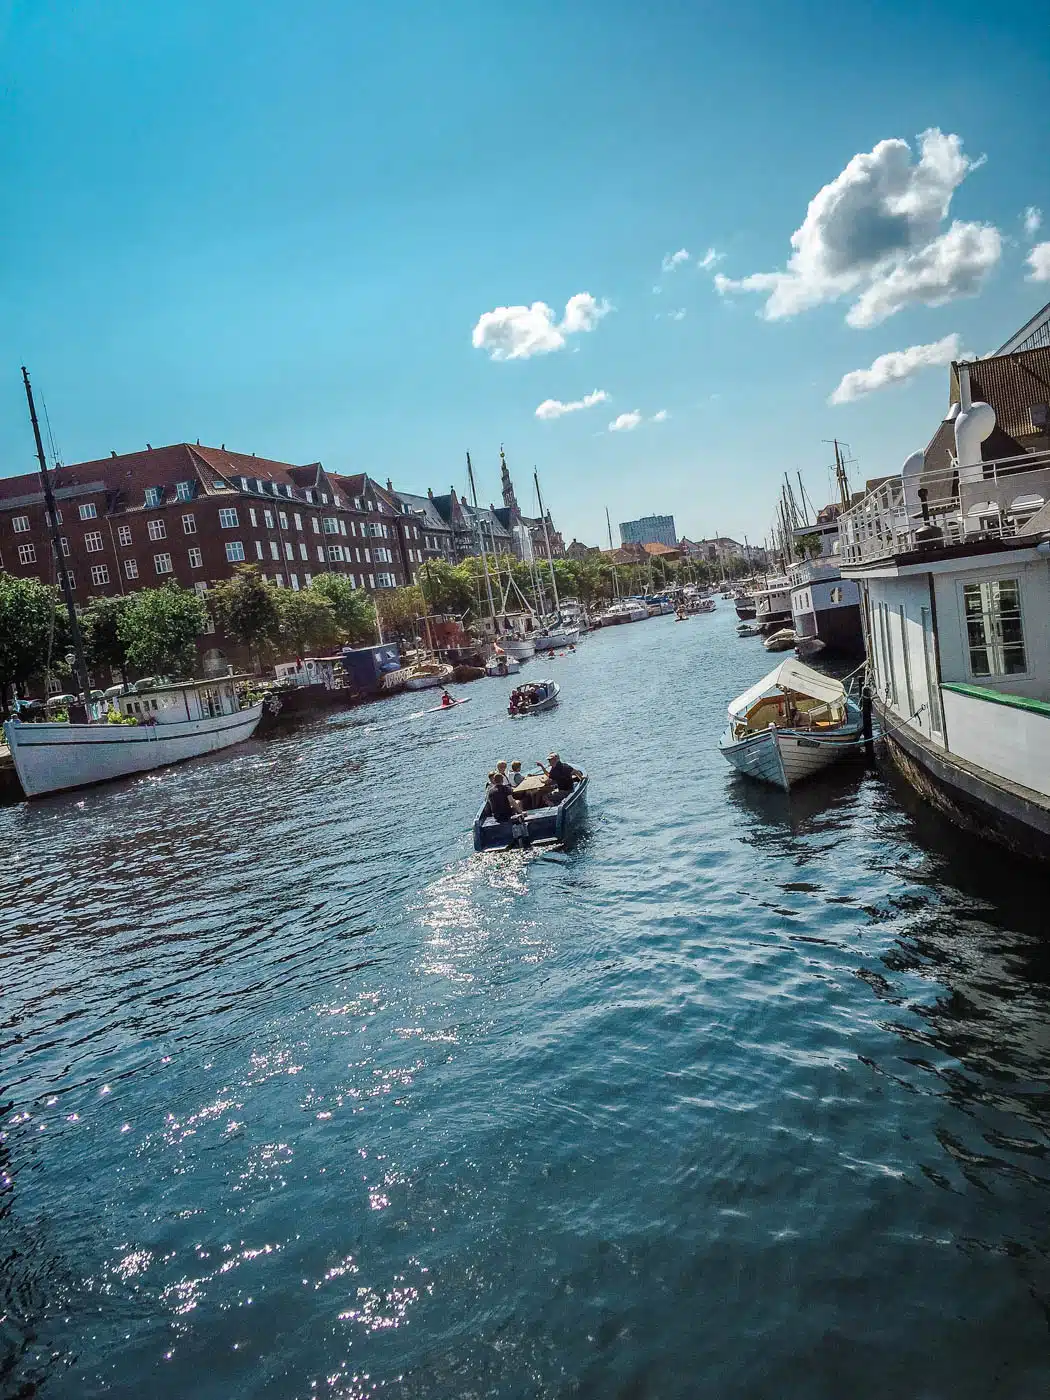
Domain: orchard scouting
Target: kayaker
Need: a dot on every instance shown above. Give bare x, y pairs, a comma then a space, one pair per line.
446, 699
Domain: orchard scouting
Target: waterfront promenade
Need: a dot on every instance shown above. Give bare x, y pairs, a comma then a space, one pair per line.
745, 1095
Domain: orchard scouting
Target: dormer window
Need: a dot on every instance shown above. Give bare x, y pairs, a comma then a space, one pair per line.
153, 496
184, 490
357, 503
324, 499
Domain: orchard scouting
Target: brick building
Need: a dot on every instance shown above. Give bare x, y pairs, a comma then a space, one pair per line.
193, 513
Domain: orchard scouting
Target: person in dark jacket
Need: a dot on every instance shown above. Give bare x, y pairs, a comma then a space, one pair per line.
562, 777
498, 802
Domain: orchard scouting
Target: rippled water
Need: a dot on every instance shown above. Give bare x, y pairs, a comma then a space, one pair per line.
743, 1097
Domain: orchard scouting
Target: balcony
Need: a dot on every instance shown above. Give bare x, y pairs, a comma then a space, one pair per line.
930, 511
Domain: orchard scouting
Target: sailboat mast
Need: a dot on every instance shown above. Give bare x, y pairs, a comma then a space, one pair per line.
481, 539
546, 538
608, 526
841, 478
80, 664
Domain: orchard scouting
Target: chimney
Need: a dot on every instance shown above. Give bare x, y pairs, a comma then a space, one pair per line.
112, 453
148, 447
430, 493
390, 486
973, 424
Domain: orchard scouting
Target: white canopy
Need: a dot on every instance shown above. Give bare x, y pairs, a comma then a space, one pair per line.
790, 676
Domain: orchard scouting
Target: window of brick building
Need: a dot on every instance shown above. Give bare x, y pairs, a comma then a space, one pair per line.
258, 549
153, 497
63, 545
27, 553
303, 552
157, 530
88, 512
313, 522
189, 524
298, 521
20, 524
234, 551
124, 535
275, 553
196, 559
228, 518
131, 568
268, 519
162, 563
93, 541
282, 520
289, 551
184, 490
320, 553
99, 574
335, 553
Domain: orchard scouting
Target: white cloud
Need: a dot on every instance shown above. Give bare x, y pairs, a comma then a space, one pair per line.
951, 266
678, 315
709, 259
671, 260
1033, 220
518, 332
660, 417
894, 368
874, 231
626, 422
554, 408
1039, 262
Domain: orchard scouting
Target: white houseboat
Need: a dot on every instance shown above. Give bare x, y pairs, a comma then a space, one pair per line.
172, 723
953, 561
772, 602
825, 607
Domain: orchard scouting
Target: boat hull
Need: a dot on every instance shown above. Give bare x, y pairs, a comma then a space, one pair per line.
785, 757
521, 648
427, 682
56, 757
567, 636
549, 824
511, 667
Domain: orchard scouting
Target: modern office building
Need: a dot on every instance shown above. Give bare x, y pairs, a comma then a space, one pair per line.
651, 529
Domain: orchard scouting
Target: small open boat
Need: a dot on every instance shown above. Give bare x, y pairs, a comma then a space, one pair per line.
533, 698
781, 640
793, 723
543, 825
502, 665
426, 674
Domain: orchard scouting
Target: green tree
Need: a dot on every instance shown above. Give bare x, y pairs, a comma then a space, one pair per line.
100, 623
246, 609
401, 610
28, 630
355, 613
159, 629
449, 588
307, 620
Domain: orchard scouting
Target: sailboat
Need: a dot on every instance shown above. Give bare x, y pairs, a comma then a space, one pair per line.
555, 633
166, 724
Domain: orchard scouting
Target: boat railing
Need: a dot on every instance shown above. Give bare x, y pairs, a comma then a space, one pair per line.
951, 506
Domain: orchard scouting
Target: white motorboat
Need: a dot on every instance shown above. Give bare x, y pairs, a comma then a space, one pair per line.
502, 665
165, 725
781, 640
805, 647
533, 698
520, 648
551, 639
625, 611
791, 724
426, 674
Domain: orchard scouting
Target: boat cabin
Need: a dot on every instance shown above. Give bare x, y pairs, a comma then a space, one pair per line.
177, 703
791, 697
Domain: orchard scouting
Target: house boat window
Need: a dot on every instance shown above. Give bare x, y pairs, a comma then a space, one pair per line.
930, 658
993, 627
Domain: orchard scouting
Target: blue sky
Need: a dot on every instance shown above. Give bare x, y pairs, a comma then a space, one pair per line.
278, 227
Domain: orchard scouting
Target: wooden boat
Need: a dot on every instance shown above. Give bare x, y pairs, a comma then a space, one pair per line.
555, 637
534, 698
805, 647
502, 665
426, 674
544, 825
791, 724
167, 724
783, 639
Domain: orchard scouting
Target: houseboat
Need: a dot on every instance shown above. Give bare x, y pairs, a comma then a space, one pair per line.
772, 603
825, 607
952, 557
167, 724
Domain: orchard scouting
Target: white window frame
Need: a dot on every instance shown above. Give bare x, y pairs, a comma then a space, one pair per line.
298, 520
99, 575
27, 553
157, 530
124, 536
189, 524
88, 512
20, 524
196, 558
152, 497
131, 568
991, 619
162, 564
184, 490
93, 542
228, 518
234, 552
275, 552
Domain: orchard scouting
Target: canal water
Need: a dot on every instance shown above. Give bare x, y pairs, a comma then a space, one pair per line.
744, 1096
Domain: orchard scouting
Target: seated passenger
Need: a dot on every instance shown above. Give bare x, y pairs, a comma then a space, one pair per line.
516, 775
498, 802
446, 699
561, 776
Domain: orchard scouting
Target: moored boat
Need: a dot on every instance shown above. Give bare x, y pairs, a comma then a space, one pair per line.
168, 724
783, 639
550, 639
539, 826
502, 664
789, 725
425, 674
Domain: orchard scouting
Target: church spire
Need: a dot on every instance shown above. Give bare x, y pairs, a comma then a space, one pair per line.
510, 501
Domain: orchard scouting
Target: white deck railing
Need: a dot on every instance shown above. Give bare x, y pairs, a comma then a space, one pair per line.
994, 500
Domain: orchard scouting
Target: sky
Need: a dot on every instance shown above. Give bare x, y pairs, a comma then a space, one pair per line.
701, 239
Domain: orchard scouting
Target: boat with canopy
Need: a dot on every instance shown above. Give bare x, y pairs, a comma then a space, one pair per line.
789, 725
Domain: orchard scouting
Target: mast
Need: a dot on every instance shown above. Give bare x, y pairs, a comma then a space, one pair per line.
608, 526
546, 538
841, 478
80, 664
481, 541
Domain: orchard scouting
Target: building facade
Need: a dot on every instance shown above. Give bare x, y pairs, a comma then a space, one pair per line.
651, 529
192, 514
